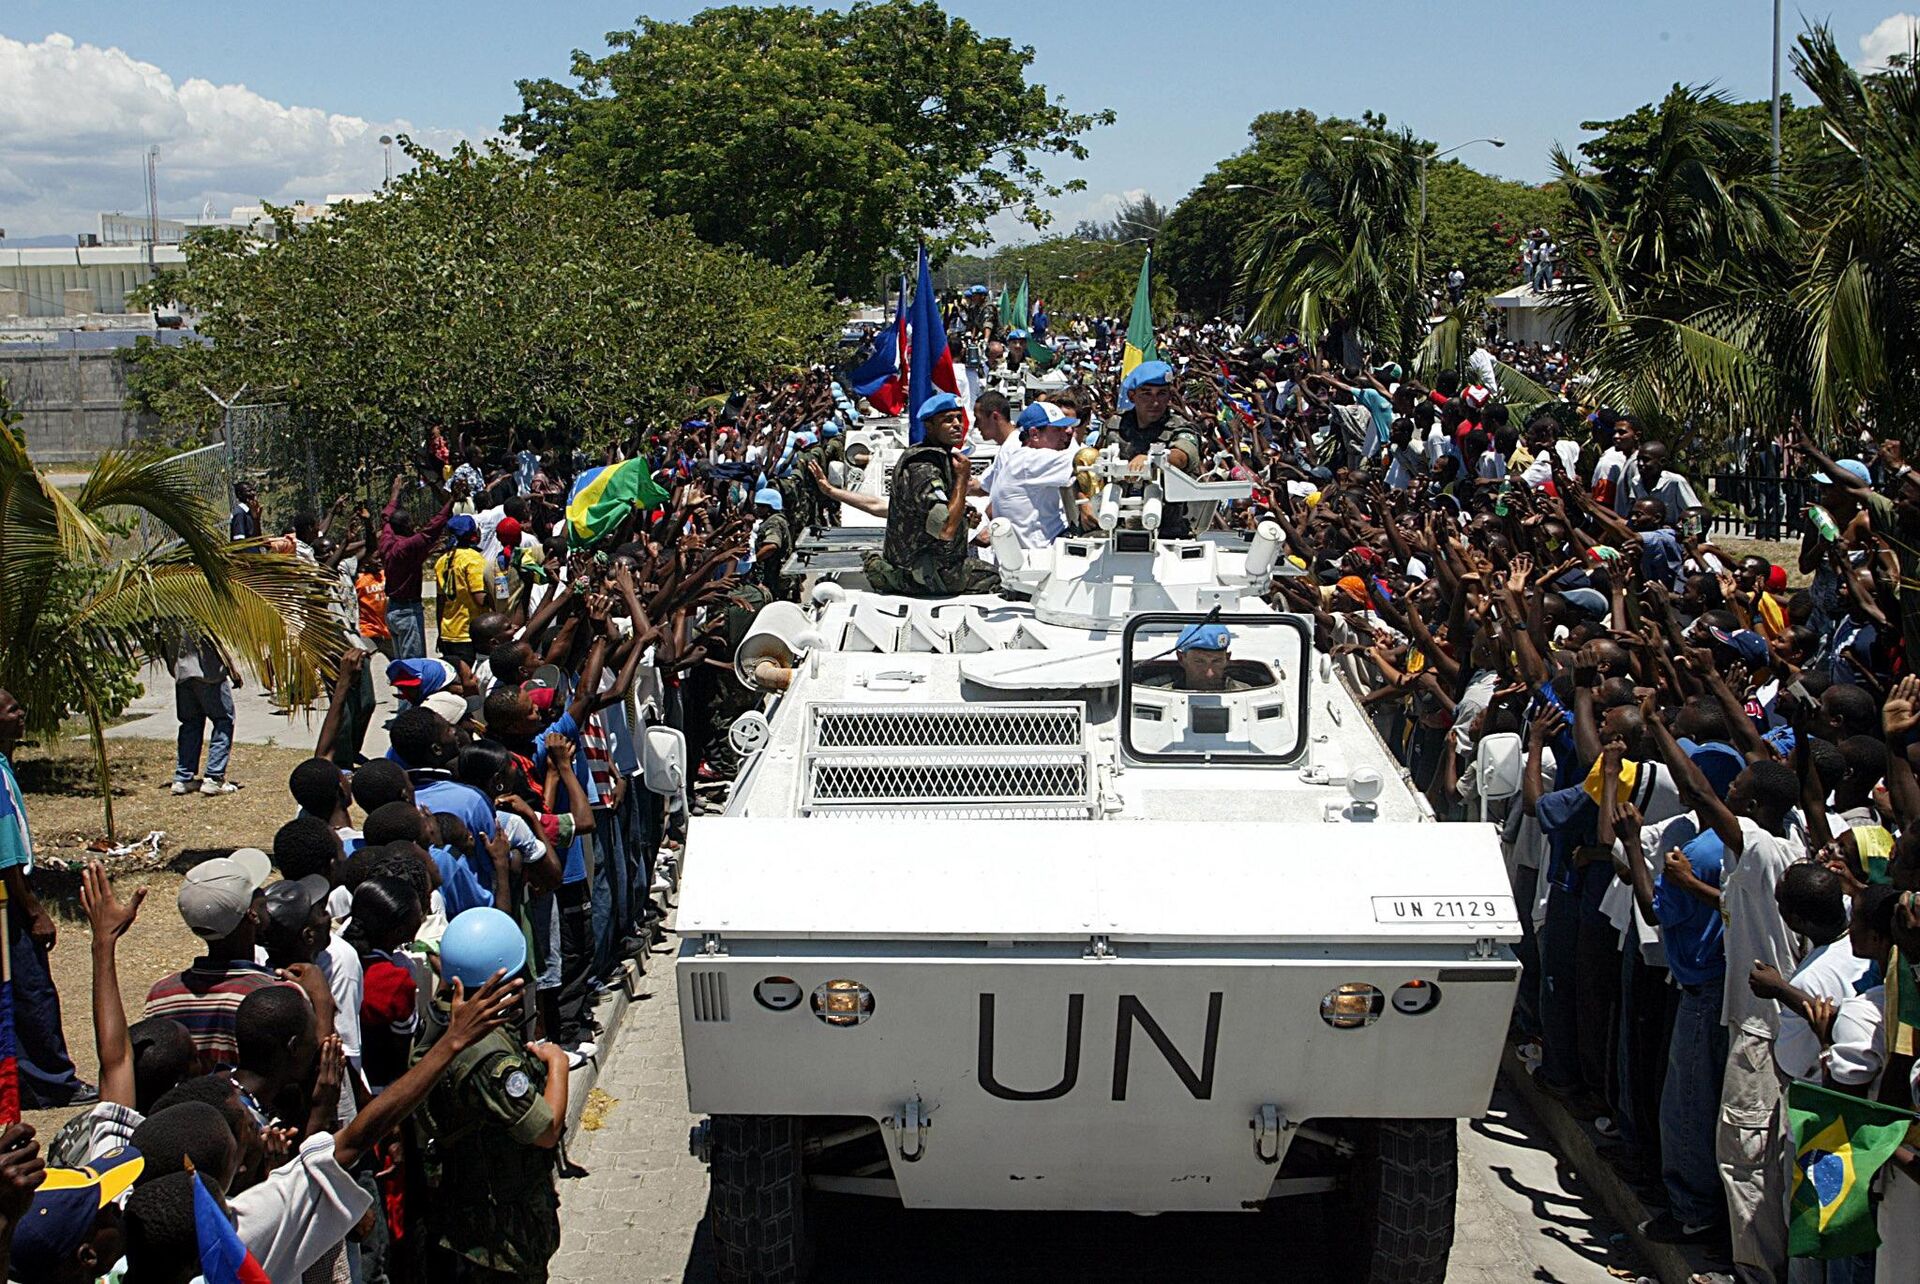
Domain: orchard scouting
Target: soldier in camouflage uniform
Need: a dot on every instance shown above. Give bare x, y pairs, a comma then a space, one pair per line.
489, 1133
833, 450
1153, 421
714, 696
772, 545
925, 554
812, 503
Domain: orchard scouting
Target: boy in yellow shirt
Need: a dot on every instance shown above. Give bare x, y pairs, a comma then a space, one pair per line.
460, 577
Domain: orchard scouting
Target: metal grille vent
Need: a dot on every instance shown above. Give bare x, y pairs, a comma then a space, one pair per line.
708, 990
998, 777
947, 726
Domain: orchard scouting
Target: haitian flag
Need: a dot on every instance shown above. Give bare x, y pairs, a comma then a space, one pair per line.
930, 367
881, 378
223, 1258
1840, 1141
602, 498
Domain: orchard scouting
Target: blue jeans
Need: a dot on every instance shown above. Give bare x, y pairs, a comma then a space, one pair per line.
198, 703
46, 1072
1690, 1107
609, 889
407, 622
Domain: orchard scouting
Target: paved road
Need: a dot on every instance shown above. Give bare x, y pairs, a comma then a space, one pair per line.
638, 1216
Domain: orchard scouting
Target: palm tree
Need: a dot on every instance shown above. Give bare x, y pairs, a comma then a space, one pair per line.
78, 612
1340, 246
1669, 262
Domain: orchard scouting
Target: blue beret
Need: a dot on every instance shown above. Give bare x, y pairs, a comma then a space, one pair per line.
1204, 637
938, 403
1147, 372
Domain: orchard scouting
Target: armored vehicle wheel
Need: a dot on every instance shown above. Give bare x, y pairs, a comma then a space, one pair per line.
756, 1200
1397, 1212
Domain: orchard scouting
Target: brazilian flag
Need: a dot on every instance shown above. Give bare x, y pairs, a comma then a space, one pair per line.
1140, 342
602, 498
1840, 1143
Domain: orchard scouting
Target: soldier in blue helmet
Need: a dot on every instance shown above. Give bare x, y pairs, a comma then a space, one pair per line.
925, 554
1205, 654
772, 541
490, 1130
1152, 421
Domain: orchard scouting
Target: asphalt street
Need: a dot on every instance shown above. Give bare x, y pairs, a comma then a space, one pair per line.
638, 1216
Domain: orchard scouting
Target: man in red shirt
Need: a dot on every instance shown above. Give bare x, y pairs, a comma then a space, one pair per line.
404, 551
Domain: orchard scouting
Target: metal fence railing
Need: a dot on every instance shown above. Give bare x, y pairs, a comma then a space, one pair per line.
1756, 506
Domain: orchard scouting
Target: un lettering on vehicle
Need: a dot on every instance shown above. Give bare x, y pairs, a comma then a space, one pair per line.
1443, 910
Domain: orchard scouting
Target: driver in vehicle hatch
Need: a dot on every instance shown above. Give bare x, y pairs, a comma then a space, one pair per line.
1204, 654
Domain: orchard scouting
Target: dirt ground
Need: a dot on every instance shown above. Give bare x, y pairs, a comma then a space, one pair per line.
65, 815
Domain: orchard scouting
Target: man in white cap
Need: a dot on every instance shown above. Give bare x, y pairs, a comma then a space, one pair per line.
221, 904
1026, 481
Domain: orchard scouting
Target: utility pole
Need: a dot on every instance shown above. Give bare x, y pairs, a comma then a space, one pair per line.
1776, 93
153, 201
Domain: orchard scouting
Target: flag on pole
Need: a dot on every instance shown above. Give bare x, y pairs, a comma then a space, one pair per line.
1140, 343
602, 498
1006, 311
881, 379
223, 1258
930, 367
1840, 1141
1022, 308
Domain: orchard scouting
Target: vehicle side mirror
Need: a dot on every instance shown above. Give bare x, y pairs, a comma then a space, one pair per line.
663, 761
1498, 760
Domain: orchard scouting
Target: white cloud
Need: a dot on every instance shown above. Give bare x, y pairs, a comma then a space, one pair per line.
1893, 36
78, 120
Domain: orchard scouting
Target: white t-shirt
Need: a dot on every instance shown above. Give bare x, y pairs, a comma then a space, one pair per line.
1830, 972
345, 979
1755, 932
303, 1209
1024, 483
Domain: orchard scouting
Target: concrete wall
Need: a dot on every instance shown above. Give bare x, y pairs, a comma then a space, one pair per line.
71, 402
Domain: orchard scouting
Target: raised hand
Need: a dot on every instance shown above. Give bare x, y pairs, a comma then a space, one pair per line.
474, 1016
107, 916
1901, 712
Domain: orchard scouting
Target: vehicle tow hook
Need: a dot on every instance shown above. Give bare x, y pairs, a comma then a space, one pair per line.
1267, 1126
910, 1129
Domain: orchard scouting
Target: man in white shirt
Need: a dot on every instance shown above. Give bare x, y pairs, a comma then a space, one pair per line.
1650, 478
1024, 484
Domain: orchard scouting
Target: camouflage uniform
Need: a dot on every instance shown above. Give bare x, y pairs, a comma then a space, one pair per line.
811, 501
915, 561
1176, 431
714, 695
832, 451
491, 1211
768, 572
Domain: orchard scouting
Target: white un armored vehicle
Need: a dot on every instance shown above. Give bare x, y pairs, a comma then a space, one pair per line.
1002, 916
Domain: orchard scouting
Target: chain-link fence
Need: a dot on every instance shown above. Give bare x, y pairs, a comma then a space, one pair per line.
213, 482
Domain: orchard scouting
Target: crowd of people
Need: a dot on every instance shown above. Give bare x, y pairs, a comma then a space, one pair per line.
1716, 847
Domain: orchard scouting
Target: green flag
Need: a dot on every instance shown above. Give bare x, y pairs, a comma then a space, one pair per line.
1006, 310
1839, 1144
1903, 1005
1140, 345
603, 497
1022, 309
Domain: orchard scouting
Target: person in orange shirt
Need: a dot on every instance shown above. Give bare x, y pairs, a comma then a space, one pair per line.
370, 588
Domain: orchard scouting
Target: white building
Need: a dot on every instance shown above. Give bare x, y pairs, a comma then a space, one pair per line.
80, 280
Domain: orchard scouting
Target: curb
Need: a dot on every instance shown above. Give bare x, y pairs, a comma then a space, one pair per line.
1667, 1263
609, 1012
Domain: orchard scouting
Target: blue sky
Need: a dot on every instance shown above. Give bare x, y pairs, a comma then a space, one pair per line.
322, 81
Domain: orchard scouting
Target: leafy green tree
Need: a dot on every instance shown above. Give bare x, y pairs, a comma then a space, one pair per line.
1072, 273
822, 138
481, 292
79, 608
1142, 217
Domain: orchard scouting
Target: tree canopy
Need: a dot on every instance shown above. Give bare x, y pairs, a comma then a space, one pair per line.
482, 291
1473, 219
825, 138
1072, 273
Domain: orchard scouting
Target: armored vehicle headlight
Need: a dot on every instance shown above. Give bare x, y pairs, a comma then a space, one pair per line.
1416, 997
1350, 1006
842, 1002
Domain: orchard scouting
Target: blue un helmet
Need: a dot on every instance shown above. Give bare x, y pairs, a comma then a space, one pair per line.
478, 943
770, 497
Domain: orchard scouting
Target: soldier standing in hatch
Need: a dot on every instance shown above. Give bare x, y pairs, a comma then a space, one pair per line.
925, 554
1153, 421
772, 543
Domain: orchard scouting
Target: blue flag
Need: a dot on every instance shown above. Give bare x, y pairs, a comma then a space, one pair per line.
930, 367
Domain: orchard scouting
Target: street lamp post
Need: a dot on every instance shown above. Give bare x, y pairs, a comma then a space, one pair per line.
1424, 158
386, 146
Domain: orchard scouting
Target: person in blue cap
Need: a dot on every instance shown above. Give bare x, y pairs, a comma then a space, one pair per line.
1205, 654
1153, 421
925, 553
